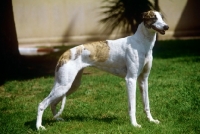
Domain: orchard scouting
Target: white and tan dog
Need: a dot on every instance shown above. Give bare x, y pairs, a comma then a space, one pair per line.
130, 58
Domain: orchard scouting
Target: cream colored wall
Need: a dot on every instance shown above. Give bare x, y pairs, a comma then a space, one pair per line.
51, 22
171, 10
182, 17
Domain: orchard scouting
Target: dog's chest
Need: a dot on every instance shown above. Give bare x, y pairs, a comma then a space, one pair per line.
116, 62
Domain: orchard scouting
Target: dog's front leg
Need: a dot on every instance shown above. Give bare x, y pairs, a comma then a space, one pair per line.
131, 87
143, 85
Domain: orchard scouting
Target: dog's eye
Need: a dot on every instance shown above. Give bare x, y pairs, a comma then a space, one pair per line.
153, 19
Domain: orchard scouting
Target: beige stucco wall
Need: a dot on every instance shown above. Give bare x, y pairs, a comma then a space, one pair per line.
51, 22
172, 10
182, 17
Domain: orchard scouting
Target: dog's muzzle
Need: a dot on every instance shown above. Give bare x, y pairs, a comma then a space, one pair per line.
161, 30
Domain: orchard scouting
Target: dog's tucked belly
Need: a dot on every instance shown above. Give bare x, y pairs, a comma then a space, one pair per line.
121, 72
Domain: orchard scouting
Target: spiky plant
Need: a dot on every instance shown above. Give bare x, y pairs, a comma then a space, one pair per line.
124, 15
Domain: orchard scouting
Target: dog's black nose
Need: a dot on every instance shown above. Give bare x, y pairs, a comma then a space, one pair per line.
166, 27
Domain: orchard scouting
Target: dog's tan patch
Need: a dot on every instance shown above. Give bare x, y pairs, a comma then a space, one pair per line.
148, 15
99, 51
63, 59
78, 52
149, 18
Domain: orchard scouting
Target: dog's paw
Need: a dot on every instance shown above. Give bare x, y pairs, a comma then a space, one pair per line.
155, 121
41, 128
137, 125
59, 119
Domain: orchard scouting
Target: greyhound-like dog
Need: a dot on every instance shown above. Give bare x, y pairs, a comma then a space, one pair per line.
129, 57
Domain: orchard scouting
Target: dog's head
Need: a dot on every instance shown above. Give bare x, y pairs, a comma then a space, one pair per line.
153, 19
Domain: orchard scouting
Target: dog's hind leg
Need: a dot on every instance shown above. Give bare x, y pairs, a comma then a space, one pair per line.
61, 87
53, 107
54, 104
56, 93
76, 83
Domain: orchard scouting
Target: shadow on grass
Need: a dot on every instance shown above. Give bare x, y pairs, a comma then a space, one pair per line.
177, 48
85, 118
35, 66
32, 124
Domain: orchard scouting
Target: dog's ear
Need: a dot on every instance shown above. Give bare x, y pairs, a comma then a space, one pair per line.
149, 18
148, 15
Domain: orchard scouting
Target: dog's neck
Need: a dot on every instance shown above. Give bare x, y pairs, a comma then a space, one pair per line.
145, 33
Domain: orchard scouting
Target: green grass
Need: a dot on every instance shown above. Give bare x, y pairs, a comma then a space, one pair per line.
100, 105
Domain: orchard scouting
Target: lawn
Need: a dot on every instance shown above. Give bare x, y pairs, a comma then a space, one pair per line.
100, 105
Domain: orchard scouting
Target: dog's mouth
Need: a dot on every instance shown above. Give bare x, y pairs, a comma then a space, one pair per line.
162, 30
158, 30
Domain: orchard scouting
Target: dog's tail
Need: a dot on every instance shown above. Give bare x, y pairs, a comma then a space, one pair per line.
62, 107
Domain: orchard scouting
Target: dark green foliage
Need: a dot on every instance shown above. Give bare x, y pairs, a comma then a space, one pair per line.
124, 15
